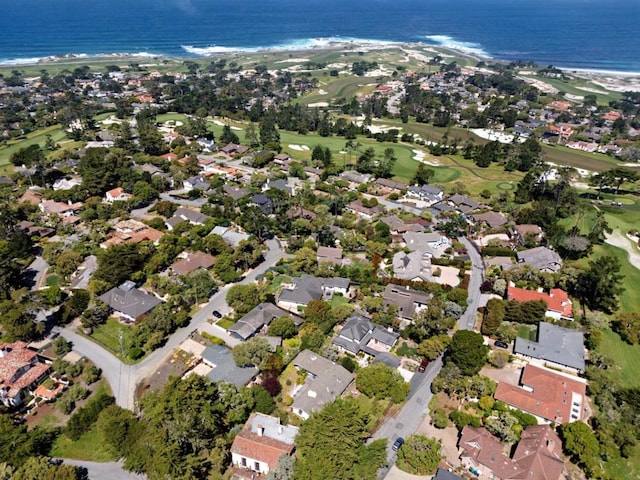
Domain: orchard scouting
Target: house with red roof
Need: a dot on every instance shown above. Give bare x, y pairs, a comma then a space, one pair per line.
20, 373
117, 195
538, 455
550, 396
257, 448
557, 300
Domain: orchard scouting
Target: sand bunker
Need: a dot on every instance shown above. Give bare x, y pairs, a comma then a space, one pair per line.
299, 148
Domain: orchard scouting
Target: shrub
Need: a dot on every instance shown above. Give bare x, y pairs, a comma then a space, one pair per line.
81, 421
439, 418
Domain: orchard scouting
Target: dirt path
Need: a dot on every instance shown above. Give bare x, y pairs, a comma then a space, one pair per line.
617, 239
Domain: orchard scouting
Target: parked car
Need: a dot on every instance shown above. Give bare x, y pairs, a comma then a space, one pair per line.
217, 314
398, 444
423, 365
501, 344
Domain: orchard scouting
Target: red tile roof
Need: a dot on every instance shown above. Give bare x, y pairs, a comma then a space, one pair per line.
19, 368
557, 300
548, 394
263, 449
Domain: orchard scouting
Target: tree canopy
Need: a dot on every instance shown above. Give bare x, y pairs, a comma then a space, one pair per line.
330, 444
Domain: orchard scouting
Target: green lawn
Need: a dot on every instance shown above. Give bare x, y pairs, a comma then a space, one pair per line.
225, 323
38, 137
108, 335
625, 359
623, 468
338, 300
88, 447
629, 299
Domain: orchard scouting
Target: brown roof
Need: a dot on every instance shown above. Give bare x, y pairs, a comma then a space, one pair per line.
552, 396
192, 262
493, 219
263, 449
487, 450
527, 228
30, 196
538, 455
16, 358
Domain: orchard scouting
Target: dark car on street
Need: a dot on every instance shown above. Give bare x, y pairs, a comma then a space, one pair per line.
398, 444
217, 314
501, 344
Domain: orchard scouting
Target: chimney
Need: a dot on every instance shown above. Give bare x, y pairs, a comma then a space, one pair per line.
280, 429
260, 429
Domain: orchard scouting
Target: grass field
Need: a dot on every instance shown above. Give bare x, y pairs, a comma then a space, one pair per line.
108, 335
335, 88
88, 447
38, 137
625, 359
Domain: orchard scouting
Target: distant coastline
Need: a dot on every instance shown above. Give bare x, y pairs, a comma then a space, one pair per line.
469, 50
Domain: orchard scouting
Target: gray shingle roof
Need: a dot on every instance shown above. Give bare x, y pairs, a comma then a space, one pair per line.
225, 369
130, 301
358, 331
541, 258
325, 382
560, 345
254, 320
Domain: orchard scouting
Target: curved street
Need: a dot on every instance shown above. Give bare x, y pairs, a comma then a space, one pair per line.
124, 378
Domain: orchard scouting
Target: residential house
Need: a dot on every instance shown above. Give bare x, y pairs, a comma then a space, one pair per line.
84, 272
557, 300
355, 178
490, 219
218, 366
261, 443
359, 335
442, 474
524, 233
306, 288
432, 242
538, 455
300, 212
183, 214
131, 231
559, 345
233, 148
414, 266
429, 194
117, 195
329, 255
20, 372
230, 236
235, 192
356, 207
406, 300
325, 382
397, 227
130, 303
389, 186
255, 320
541, 258
196, 183
31, 196
550, 396
190, 262
263, 202
60, 209
464, 204
33, 230
282, 184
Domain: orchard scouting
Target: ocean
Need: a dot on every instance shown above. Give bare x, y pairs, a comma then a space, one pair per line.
580, 34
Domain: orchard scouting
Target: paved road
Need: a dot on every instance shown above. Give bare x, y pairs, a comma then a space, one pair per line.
412, 413
125, 378
139, 213
409, 418
468, 319
105, 471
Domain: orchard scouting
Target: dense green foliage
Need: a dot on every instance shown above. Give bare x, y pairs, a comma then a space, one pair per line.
330, 444
380, 381
419, 455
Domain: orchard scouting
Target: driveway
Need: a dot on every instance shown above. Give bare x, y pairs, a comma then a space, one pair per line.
105, 471
181, 201
125, 378
38, 272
